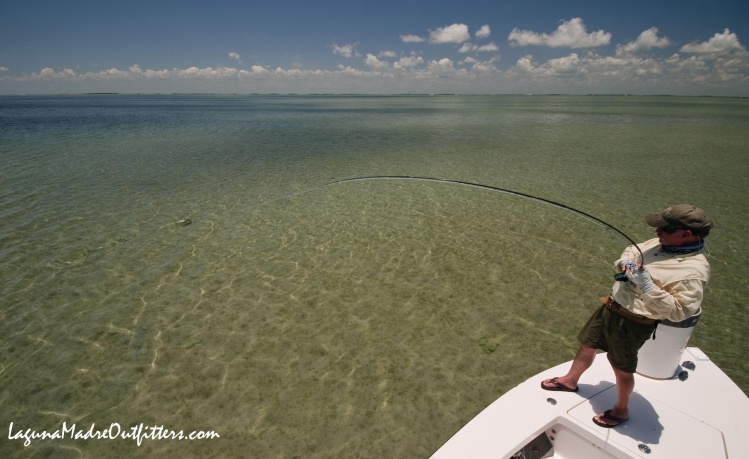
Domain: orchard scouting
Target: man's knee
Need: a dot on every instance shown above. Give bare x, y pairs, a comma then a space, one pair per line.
622, 375
587, 350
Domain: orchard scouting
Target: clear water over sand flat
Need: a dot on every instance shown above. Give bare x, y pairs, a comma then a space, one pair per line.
362, 319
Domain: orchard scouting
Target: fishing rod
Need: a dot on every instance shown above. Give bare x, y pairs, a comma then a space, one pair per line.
495, 189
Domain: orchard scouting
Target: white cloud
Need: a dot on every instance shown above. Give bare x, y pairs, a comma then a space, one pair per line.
408, 62
235, 56
466, 48
720, 43
456, 33
347, 51
348, 71
720, 64
207, 73
567, 64
481, 66
487, 48
412, 39
647, 40
443, 64
374, 63
149, 74
571, 34
579, 69
136, 73
484, 32
48, 73
631, 73
485, 67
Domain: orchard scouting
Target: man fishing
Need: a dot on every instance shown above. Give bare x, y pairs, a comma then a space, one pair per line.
664, 279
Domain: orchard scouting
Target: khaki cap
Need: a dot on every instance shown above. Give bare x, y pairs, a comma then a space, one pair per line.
685, 216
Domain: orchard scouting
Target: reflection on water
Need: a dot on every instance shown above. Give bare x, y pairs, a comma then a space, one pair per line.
363, 319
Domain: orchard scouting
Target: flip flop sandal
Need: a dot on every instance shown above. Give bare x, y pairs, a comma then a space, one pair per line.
559, 387
609, 417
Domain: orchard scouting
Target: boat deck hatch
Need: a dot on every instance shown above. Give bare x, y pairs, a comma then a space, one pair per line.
644, 434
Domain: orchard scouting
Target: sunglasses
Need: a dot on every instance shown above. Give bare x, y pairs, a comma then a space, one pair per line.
670, 229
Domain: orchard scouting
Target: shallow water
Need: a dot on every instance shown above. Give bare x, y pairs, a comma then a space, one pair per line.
369, 318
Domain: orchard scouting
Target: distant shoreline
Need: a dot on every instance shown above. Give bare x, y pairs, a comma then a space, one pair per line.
359, 95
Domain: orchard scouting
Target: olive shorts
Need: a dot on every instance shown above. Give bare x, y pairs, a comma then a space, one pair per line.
616, 335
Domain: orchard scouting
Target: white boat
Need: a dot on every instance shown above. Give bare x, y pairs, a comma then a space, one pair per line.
688, 409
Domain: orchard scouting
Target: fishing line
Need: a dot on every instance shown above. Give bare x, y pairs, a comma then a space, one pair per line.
559, 205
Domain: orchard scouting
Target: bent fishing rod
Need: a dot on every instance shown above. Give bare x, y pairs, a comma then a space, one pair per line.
585, 215
495, 189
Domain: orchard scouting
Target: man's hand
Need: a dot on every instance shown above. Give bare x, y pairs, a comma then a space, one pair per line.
628, 265
641, 278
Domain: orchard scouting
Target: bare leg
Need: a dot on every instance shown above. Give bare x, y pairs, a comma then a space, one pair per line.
625, 385
583, 360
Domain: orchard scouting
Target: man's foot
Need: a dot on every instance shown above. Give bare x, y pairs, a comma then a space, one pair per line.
608, 420
554, 385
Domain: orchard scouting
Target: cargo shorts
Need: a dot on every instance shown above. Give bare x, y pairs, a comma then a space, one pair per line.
621, 338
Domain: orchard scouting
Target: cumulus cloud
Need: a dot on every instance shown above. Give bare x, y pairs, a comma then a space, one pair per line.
485, 67
720, 43
647, 40
408, 62
48, 73
135, 72
207, 73
571, 34
235, 56
441, 66
347, 51
455, 33
374, 63
412, 39
587, 71
4, 69
720, 62
482, 66
484, 32
488, 48
581, 68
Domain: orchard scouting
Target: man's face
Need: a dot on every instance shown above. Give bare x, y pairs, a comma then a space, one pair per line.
674, 236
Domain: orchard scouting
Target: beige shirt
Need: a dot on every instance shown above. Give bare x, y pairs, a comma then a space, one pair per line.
680, 282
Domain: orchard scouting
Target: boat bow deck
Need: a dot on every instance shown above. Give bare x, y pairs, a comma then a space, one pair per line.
701, 416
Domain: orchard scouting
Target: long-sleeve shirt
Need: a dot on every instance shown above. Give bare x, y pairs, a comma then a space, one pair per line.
679, 279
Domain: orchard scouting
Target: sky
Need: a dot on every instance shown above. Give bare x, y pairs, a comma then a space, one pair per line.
680, 47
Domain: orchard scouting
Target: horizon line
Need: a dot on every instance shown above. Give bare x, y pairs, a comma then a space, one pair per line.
355, 94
